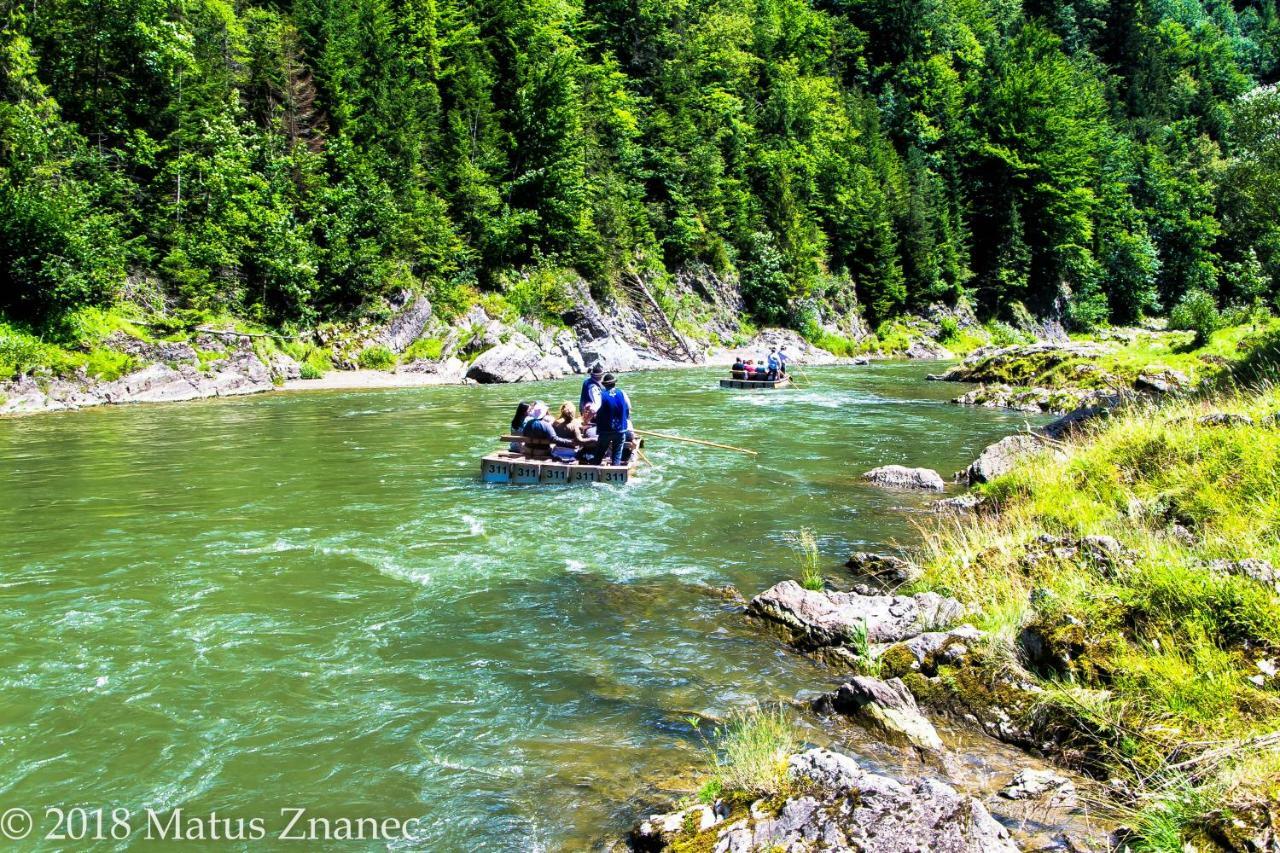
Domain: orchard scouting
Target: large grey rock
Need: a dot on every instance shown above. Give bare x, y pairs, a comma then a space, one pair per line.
613, 354
885, 568
1001, 457
845, 809
406, 326
923, 348
156, 383
902, 477
886, 706
516, 361
832, 618
958, 504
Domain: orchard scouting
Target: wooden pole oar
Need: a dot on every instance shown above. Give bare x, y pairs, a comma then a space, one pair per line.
643, 458
696, 441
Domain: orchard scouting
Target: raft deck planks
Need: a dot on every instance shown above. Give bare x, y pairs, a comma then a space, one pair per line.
782, 382
519, 470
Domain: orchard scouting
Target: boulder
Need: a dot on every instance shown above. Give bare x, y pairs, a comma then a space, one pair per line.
1000, 458
886, 706
924, 653
156, 383
283, 367
923, 348
860, 811
1163, 380
960, 503
1073, 421
406, 326
1032, 784
516, 361
889, 570
613, 353
833, 618
902, 477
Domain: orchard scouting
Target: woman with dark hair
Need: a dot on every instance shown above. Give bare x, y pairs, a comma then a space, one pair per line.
518, 422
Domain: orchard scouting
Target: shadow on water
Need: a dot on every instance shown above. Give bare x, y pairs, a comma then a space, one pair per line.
310, 600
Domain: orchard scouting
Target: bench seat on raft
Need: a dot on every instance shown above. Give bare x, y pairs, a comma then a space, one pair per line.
739, 380
536, 467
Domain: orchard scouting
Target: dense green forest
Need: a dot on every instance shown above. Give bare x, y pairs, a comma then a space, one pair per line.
291, 160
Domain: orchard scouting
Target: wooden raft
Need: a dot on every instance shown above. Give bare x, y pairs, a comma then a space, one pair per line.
780, 382
536, 467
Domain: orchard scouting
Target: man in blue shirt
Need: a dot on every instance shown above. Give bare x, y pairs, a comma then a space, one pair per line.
773, 364
589, 399
612, 421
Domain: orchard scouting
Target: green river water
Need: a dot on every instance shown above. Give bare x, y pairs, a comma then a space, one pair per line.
310, 601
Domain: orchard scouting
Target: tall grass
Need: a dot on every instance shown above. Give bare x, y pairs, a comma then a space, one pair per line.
751, 749
808, 561
1159, 646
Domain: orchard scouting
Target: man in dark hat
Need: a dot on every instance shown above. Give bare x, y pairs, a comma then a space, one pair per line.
589, 399
612, 422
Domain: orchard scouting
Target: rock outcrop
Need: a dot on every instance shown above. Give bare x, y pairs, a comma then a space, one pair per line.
1032, 784
886, 706
843, 808
518, 360
1001, 457
902, 477
885, 568
818, 619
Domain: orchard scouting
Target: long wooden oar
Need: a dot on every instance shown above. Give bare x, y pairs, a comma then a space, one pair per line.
696, 441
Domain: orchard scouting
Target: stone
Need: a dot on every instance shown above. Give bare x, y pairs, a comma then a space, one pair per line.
833, 618
1225, 419
890, 570
1161, 381
886, 706
1002, 457
1253, 568
407, 326
515, 361
1032, 784
1073, 421
923, 348
156, 383
932, 648
613, 353
960, 503
283, 367
900, 476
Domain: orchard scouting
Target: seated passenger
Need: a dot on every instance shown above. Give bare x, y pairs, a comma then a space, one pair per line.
739, 369
517, 424
568, 426
539, 426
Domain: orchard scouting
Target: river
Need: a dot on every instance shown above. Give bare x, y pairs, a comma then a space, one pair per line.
310, 601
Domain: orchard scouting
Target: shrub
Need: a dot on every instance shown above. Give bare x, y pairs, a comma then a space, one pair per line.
377, 357
1004, 335
540, 294
1196, 312
948, 329
753, 747
429, 348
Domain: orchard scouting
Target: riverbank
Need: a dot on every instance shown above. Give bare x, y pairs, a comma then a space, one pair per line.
1107, 597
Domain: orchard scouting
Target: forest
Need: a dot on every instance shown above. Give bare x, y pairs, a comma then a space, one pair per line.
290, 161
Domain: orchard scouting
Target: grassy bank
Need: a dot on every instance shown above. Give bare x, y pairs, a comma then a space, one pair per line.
1149, 660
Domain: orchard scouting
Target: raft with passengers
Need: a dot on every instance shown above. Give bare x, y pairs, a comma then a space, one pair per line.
595, 443
768, 373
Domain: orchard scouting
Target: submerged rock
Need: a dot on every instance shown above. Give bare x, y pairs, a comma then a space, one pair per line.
1031, 784
902, 477
834, 618
886, 706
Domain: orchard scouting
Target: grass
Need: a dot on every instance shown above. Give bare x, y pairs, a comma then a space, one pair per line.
750, 750
805, 547
431, 349
1148, 657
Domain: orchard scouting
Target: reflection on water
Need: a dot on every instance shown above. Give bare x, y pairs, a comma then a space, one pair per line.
310, 600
